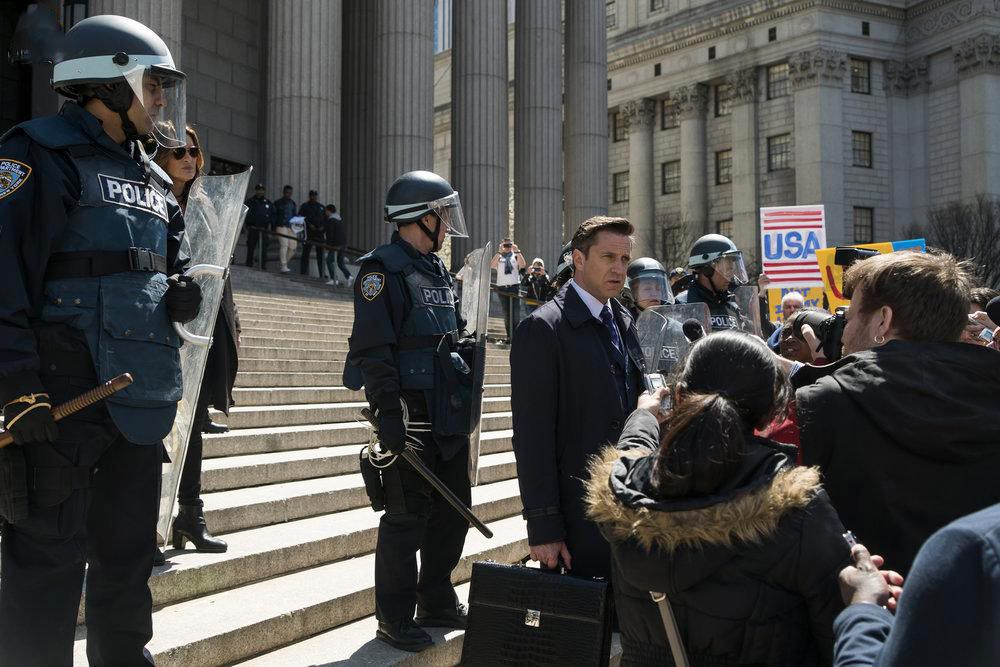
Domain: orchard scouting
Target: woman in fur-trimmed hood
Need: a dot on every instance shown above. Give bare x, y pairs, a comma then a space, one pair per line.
745, 544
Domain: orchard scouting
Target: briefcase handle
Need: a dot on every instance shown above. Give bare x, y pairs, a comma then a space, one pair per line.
524, 562
670, 626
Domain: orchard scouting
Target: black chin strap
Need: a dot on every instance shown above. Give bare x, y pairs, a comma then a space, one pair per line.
433, 236
118, 98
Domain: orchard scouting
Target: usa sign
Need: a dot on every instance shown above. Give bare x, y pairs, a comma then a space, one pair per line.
789, 239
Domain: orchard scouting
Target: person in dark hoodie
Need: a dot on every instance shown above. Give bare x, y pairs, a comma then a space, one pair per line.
906, 427
745, 544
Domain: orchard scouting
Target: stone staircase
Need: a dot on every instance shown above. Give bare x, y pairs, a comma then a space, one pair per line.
282, 487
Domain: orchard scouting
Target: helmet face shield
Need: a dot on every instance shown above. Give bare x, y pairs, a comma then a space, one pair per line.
449, 210
163, 94
732, 268
650, 287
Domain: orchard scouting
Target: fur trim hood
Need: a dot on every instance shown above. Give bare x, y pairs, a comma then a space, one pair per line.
621, 500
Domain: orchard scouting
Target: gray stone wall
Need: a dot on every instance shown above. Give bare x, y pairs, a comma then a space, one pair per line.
617, 162
775, 117
718, 137
944, 141
862, 186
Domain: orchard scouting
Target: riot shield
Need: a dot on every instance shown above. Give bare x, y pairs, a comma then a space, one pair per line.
212, 221
475, 308
661, 334
748, 299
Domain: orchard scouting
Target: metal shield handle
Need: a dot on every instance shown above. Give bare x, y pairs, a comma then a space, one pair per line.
200, 270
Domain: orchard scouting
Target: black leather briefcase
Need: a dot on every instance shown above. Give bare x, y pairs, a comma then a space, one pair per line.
525, 616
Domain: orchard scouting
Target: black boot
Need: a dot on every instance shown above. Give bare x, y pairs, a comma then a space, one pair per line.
158, 557
405, 636
212, 427
446, 618
190, 524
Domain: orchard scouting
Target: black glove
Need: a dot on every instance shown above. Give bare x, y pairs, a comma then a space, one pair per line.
391, 429
183, 298
30, 422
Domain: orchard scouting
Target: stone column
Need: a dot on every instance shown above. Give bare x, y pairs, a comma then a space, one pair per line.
817, 79
691, 104
404, 91
479, 133
745, 143
303, 98
639, 115
977, 61
538, 160
906, 92
360, 204
586, 106
162, 16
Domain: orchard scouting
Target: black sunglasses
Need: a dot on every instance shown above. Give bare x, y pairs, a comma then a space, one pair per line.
178, 153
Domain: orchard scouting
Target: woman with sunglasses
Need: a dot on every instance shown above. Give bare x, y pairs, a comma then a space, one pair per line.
184, 165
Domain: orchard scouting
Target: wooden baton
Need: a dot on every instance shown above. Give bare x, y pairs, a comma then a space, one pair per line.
84, 400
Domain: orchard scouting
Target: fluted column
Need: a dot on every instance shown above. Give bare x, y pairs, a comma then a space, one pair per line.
743, 122
303, 97
691, 105
479, 133
404, 90
360, 204
977, 61
538, 166
906, 86
639, 115
817, 79
164, 17
586, 107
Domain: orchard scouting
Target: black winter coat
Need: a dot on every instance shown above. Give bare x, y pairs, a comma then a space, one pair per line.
907, 436
751, 572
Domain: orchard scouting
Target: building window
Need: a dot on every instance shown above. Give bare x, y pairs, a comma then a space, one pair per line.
619, 128
861, 76
657, 69
711, 53
621, 187
670, 177
656, 5
669, 114
861, 148
611, 13
723, 99
674, 251
772, 34
724, 167
866, 28
778, 152
609, 84
864, 224
777, 81
724, 227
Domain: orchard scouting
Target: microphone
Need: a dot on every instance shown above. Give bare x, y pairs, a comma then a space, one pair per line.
993, 310
693, 329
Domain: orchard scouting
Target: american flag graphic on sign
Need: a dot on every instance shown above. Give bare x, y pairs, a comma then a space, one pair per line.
789, 239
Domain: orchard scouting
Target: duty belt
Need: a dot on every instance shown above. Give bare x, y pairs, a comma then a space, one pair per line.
415, 342
95, 263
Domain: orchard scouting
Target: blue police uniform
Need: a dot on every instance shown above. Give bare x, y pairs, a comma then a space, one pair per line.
723, 309
87, 238
403, 345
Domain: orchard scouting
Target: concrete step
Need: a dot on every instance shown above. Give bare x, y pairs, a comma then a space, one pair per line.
266, 351
243, 622
319, 344
247, 396
322, 365
250, 470
239, 509
282, 379
254, 325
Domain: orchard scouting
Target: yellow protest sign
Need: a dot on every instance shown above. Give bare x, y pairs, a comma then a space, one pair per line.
833, 274
812, 297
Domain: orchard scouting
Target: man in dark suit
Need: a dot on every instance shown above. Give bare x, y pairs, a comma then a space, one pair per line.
576, 374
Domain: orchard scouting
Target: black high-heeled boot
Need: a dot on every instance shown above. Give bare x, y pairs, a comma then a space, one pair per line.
190, 524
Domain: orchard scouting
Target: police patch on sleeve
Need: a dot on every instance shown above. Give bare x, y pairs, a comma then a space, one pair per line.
371, 285
13, 174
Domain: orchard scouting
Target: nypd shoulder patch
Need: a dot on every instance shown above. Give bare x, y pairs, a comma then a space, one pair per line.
371, 285
13, 174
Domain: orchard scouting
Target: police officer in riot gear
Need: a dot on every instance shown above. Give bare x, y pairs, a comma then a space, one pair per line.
718, 269
648, 284
405, 349
90, 240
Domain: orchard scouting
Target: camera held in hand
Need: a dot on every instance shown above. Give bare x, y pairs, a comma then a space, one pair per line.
828, 328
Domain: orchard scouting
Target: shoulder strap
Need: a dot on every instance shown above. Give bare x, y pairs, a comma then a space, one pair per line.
670, 626
393, 258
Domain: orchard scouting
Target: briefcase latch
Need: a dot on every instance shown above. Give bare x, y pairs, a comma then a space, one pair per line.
532, 618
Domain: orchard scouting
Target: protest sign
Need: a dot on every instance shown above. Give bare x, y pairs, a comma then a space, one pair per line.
789, 239
833, 274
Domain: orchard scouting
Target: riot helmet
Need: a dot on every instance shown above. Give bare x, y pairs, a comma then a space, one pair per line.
116, 59
564, 267
647, 281
715, 253
418, 193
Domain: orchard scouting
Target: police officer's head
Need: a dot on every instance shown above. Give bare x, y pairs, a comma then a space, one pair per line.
647, 281
425, 208
122, 72
287, 191
602, 250
717, 263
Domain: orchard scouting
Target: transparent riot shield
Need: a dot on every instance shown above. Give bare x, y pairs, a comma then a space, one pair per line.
748, 299
212, 221
662, 336
475, 308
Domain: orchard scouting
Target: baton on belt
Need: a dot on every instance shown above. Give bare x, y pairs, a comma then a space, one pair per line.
84, 400
410, 457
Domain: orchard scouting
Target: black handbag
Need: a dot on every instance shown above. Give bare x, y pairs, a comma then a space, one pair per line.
524, 616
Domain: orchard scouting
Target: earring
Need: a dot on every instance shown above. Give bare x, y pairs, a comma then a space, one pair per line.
878, 341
